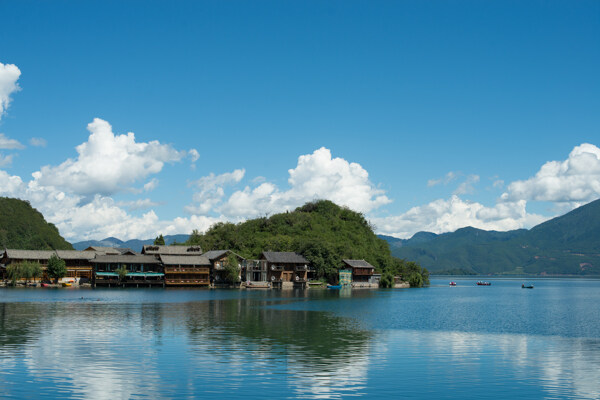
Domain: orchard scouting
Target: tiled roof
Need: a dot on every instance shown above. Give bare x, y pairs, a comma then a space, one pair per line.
284, 257
184, 260
358, 264
125, 259
172, 250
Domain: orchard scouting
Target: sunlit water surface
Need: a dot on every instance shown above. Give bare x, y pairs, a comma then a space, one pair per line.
458, 342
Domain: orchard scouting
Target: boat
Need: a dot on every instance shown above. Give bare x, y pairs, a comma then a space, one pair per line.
481, 283
334, 287
66, 284
523, 286
452, 283
44, 285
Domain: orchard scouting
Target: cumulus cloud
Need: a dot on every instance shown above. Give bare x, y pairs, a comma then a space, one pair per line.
211, 190
139, 204
9, 75
575, 180
9, 144
316, 176
107, 163
38, 142
449, 215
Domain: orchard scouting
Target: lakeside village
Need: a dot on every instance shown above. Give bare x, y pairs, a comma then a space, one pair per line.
178, 266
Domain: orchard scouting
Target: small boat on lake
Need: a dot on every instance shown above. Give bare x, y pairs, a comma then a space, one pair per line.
452, 283
524, 286
334, 287
481, 283
67, 284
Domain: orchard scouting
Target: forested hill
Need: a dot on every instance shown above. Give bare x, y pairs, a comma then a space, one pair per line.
23, 227
569, 244
321, 231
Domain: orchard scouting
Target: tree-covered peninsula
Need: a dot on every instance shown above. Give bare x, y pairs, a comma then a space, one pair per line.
321, 231
23, 227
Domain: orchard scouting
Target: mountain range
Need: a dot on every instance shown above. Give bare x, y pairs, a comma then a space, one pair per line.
133, 244
566, 245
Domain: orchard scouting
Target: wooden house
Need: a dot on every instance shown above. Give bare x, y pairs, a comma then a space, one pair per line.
286, 269
362, 271
218, 258
186, 270
142, 270
78, 263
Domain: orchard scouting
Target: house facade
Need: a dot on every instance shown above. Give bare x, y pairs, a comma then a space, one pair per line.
285, 269
142, 270
186, 270
362, 272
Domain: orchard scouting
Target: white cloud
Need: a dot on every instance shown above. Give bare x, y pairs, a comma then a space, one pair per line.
450, 176
38, 142
9, 75
211, 191
139, 204
5, 160
107, 163
151, 185
575, 180
467, 187
449, 215
194, 155
316, 176
9, 144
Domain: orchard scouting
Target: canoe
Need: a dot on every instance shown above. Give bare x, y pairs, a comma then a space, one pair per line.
523, 286
334, 287
480, 283
66, 284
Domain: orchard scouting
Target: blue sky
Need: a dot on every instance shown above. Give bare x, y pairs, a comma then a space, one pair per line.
424, 115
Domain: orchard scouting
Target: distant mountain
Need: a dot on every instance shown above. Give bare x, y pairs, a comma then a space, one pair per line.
133, 244
23, 227
564, 245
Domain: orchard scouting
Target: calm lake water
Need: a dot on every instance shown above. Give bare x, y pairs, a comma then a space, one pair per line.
458, 342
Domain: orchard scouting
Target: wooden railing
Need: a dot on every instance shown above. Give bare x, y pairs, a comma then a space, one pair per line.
187, 281
187, 270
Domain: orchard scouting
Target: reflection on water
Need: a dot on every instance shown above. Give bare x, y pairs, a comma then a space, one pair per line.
315, 344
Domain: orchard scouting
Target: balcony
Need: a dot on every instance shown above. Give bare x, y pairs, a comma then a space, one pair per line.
301, 268
170, 270
276, 268
187, 282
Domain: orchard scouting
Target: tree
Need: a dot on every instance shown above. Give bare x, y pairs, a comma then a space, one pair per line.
415, 279
14, 272
232, 269
56, 268
387, 280
159, 241
122, 271
36, 270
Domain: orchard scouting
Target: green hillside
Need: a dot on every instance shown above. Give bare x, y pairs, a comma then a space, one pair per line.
321, 231
564, 245
23, 227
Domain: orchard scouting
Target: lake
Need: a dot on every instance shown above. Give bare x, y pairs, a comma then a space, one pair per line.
462, 342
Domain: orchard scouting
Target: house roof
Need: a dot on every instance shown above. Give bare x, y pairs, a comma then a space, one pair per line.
110, 250
184, 260
284, 257
172, 250
75, 254
29, 254
125, 259
358, 264
214, 254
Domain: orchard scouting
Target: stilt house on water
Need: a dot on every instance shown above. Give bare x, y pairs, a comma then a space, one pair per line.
218, 260
183, 265
285, 269
363, 273
142, 270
